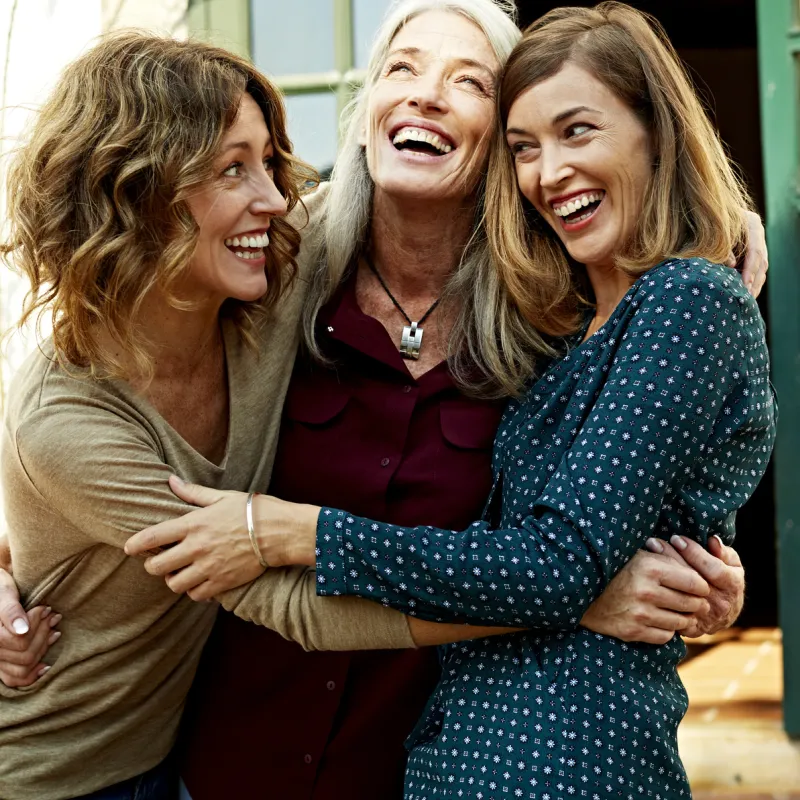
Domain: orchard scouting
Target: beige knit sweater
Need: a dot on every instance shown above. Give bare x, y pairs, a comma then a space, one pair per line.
85, 465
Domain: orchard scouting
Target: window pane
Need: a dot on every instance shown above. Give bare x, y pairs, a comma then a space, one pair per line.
312, 127
291, 38
367, 16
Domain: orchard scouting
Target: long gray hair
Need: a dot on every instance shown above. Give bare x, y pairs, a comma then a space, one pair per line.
492, 348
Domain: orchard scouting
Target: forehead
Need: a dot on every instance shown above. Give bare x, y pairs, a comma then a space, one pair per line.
249, 121
447, 35
571, 87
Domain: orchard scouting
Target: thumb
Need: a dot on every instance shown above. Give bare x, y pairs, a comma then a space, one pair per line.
194, 493
726, 554
12, 614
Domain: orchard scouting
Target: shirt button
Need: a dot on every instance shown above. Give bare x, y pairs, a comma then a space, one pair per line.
406, 389
307, 758
331, 685
384, 462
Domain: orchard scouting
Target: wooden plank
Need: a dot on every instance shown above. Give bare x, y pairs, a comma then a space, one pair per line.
732, 740
780, 98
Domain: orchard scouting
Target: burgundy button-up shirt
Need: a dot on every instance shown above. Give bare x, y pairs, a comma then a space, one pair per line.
268, 720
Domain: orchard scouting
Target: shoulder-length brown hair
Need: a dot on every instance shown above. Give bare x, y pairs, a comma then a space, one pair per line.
98, 196
694, 202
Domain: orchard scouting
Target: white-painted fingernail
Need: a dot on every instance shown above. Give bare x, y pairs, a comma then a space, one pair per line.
654, 545
719, 539
43, 670
20, 626
679, 542
54, 637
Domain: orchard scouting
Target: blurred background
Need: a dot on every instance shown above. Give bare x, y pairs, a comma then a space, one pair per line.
744, 58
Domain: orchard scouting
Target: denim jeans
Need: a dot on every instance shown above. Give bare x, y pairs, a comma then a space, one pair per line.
159, 783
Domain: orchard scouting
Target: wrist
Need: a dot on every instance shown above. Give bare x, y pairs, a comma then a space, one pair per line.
286, 532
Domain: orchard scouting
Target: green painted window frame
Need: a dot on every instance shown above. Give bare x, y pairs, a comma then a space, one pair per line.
779, 67
227, 22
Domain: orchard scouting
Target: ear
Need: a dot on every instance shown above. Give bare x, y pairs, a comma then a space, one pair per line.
362, 135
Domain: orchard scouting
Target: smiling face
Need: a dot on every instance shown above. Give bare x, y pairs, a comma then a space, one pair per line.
583, 159
234, 211
431, 111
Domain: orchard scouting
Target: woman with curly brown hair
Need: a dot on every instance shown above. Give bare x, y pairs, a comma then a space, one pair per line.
147, 212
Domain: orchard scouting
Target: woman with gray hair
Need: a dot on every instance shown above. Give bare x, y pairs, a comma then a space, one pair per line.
387, 421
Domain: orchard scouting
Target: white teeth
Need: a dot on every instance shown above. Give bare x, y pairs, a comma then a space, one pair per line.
571, 206
254, 242
419, 135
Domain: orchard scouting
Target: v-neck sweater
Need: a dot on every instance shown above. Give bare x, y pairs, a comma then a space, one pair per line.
85, 465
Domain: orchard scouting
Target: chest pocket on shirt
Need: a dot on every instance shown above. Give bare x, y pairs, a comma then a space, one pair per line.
315, 403
469, 424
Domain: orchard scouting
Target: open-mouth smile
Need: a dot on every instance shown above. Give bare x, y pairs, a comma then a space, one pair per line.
250, 246
421, 141
575, 211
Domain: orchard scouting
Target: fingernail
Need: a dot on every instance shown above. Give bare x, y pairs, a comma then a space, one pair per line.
654, 545
42, 671
46, 612
20, 626
179, 480
54, 637
56, 619
679, 542
719, 539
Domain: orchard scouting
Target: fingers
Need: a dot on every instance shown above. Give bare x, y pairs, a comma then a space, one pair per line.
158, 536
23, 668
194, 493
186, 579
663, 570
756, 261
171, 560
723, 552
713, 569
12, 614
204, 592
665, 548
679, 601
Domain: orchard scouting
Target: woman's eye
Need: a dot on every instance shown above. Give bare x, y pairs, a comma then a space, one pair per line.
578, 129
232, 170
521, 148
398, 66
269, 164
474, 81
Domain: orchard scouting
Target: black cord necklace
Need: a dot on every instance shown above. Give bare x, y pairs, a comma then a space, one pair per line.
411, 340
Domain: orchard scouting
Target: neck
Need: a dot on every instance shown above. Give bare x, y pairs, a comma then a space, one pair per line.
609, 285
417, 246
180, 342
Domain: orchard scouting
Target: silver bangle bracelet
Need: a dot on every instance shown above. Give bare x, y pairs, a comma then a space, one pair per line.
251, 529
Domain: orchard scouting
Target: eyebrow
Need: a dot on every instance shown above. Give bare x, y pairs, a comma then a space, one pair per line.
244, 145
570, 112
462, 62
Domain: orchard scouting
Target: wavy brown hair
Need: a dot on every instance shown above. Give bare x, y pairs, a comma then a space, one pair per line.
694, 203
98, 196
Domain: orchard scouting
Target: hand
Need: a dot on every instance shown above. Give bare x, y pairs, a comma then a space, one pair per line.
648, 600
21, 655
722, 568
12, 615
756, 257
212, 551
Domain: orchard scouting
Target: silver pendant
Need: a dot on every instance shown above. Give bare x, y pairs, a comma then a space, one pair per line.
411, 341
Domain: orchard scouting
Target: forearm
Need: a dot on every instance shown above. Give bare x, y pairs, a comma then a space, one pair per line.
285, 600
427, 633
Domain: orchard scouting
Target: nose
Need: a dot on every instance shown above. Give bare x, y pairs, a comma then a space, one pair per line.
427, 93
554, 168
267, 198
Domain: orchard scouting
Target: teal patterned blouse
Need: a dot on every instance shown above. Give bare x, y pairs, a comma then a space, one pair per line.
661, 423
